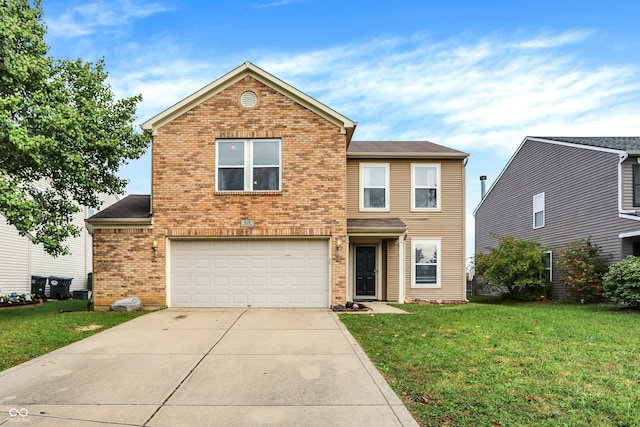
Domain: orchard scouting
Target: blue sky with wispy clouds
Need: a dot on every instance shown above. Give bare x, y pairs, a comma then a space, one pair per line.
474, 75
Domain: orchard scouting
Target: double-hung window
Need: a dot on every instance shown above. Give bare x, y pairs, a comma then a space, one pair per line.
374, 186
538, 210
425, 179
426, 263
248, 164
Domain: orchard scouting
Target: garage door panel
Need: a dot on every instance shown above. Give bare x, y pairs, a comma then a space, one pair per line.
257, 273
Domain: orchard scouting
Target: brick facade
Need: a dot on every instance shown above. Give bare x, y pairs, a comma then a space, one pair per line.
124, 265
312, 200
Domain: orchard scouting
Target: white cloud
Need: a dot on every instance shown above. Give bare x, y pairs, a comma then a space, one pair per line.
100, 16
275, 4
554, 40
482, 94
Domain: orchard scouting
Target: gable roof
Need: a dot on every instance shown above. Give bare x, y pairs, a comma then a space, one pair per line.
622, 143
135, 208
385, 149
610, 144
248, 69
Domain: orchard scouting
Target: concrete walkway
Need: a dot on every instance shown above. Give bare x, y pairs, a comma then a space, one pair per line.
206, 367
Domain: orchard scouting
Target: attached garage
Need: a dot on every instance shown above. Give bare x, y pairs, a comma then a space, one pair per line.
249, 273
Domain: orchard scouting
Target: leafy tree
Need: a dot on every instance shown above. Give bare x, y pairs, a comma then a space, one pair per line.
584, 265
60, 128
622, 282
517, 265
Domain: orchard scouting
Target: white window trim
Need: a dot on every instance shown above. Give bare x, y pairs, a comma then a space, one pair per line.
438, 283
248, 165
413, 187
540, 195
550, 265
387, 195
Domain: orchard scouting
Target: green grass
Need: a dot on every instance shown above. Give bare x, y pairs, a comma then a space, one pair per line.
31, 331
509, 364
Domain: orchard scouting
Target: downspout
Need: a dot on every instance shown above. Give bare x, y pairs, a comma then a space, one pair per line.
401, 267
623, 157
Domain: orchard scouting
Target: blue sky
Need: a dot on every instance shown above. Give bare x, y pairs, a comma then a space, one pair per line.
474, 75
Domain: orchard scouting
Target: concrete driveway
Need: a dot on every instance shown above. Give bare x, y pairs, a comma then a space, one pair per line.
206, 367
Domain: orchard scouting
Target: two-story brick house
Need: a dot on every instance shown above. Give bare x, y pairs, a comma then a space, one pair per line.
260, 198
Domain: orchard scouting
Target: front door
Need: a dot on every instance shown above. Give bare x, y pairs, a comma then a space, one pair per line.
366, 272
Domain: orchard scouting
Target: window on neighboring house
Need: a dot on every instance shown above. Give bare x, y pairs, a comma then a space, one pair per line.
548, 266
374, 187
538, 210
248, 165
426, 263
636, 184
425, 179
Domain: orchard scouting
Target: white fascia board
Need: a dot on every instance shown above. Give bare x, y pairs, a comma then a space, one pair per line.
416, 155
629, 234
625, 216
248, 69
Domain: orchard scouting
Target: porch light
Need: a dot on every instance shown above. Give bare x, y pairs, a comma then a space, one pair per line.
155, 247
339, 247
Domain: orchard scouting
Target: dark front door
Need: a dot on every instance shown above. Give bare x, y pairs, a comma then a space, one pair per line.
365, 271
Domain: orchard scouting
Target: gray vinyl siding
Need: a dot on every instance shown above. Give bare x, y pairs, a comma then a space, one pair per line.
581, 201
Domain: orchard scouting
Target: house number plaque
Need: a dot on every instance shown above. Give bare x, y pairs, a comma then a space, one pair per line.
247, 223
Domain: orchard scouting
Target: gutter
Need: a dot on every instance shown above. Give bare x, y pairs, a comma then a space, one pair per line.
623, 156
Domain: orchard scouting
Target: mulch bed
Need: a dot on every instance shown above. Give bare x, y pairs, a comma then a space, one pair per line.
351, 306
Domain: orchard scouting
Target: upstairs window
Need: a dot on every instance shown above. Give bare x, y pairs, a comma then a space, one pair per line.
425, 180
374, 186
248, 165
636, 184
538, 210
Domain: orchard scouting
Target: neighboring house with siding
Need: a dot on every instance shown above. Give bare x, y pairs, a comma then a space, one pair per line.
20, 258
556, 190
260, 198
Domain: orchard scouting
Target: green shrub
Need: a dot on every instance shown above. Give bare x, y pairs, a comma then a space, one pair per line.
622, 282
584, 265
515, 265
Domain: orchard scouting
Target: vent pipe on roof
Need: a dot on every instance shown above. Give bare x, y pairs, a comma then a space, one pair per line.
483, 181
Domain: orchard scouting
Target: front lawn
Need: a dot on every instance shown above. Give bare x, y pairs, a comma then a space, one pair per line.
508, 364
31, 331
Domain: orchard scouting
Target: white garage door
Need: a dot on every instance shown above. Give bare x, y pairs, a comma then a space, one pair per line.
256, 273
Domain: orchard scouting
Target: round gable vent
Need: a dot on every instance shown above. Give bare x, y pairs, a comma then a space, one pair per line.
248, 99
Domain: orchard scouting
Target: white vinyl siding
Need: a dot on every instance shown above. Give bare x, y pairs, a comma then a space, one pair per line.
374, 186
425, 187
426, 263
538, 211
248, 165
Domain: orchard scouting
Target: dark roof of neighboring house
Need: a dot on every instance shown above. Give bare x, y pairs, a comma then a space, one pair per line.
133, 206
400, 148
624, 143
376, 224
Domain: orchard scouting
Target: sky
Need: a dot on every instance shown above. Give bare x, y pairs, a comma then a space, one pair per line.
475, 75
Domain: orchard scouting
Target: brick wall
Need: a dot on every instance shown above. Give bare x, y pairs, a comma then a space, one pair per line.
124, 265
312, 201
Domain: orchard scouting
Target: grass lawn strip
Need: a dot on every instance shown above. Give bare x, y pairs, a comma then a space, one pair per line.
27, 332
537, 364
